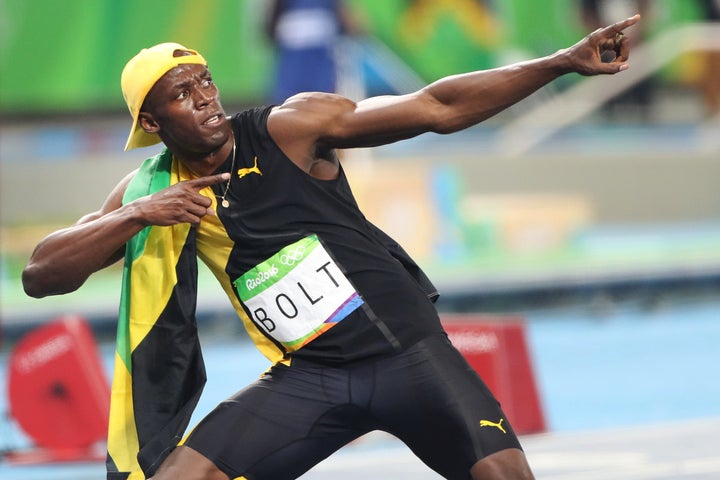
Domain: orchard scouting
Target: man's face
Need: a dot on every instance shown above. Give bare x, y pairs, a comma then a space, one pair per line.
184, 106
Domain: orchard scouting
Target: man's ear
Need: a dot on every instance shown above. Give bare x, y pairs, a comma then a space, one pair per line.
148, 123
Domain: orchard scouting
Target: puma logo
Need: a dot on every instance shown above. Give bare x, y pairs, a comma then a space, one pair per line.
488, 423
247, 171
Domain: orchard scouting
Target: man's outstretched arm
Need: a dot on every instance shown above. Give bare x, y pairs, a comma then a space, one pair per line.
450, 104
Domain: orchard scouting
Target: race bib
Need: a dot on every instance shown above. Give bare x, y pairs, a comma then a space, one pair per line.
297, 294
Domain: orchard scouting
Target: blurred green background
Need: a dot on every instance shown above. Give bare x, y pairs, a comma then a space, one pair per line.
66, 55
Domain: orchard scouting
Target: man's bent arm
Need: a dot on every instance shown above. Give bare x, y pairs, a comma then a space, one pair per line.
65, 259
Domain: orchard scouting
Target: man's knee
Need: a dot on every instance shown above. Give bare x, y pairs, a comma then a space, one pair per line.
510, 464
184, 463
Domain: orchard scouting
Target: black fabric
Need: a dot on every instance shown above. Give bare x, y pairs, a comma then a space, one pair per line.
282, 204
112, 470
117, 475
295, 416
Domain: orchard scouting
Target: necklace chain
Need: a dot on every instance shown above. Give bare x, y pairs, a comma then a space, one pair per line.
225, 202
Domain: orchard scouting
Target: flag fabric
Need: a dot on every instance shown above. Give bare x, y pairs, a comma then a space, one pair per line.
159, 372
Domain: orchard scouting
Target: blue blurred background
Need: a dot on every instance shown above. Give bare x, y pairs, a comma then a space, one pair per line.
591, 208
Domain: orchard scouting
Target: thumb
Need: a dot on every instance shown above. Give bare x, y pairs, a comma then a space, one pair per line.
612, 68
621, 67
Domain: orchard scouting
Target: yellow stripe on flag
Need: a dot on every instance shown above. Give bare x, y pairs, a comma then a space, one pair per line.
122, 433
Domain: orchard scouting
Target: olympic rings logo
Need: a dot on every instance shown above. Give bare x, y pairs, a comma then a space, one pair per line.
293, 256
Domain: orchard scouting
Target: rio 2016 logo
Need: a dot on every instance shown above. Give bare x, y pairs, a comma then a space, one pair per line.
261, 277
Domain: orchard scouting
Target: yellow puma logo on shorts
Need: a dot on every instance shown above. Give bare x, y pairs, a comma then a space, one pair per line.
488, 423
247, 171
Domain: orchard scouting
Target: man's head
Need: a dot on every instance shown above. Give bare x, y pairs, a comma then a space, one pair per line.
139, 76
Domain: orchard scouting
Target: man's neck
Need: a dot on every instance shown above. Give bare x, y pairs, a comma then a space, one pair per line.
204, 164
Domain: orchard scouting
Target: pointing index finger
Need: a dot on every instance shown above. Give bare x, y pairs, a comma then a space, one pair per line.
618, 27
203, 182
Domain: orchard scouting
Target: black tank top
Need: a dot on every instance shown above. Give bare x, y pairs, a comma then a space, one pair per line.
273, 204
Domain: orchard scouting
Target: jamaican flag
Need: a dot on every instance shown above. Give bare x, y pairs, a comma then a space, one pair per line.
159, 371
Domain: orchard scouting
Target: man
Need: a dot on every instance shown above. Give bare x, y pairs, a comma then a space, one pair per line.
341, 310
306, 34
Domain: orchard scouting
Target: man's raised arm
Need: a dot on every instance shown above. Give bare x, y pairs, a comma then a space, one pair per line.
450, 104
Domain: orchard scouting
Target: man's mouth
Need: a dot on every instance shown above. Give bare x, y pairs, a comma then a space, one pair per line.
214, 120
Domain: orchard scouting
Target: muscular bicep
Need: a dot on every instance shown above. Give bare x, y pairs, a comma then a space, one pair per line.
336, 122
63, 261
388, 119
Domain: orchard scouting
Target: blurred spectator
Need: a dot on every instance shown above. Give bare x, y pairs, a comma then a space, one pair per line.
597, 13
305, 33
710, 77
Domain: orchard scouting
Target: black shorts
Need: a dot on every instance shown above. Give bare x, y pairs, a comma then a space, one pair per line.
293, 417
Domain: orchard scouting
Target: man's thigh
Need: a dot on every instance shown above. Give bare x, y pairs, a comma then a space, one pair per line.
281, 425
436, 403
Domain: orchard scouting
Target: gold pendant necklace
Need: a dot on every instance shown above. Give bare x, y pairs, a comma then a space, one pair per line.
225, 203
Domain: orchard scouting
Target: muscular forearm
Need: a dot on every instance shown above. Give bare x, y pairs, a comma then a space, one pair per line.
470, 98
64, 260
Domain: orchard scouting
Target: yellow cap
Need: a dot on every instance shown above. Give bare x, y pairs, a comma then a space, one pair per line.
139, 76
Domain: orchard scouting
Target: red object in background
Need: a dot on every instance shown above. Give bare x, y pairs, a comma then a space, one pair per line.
58, 390
495, 347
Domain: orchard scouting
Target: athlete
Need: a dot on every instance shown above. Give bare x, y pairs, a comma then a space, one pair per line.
342, 311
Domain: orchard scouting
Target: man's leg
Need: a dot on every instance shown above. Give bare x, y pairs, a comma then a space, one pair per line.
432, 399
509, 464
187, 464
277, 428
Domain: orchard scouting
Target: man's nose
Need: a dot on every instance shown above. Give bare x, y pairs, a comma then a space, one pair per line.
203, 96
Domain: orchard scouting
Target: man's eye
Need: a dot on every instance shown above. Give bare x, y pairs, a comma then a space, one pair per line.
182, 94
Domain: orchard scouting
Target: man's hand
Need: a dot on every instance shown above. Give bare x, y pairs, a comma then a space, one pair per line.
604, 51
179, 203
